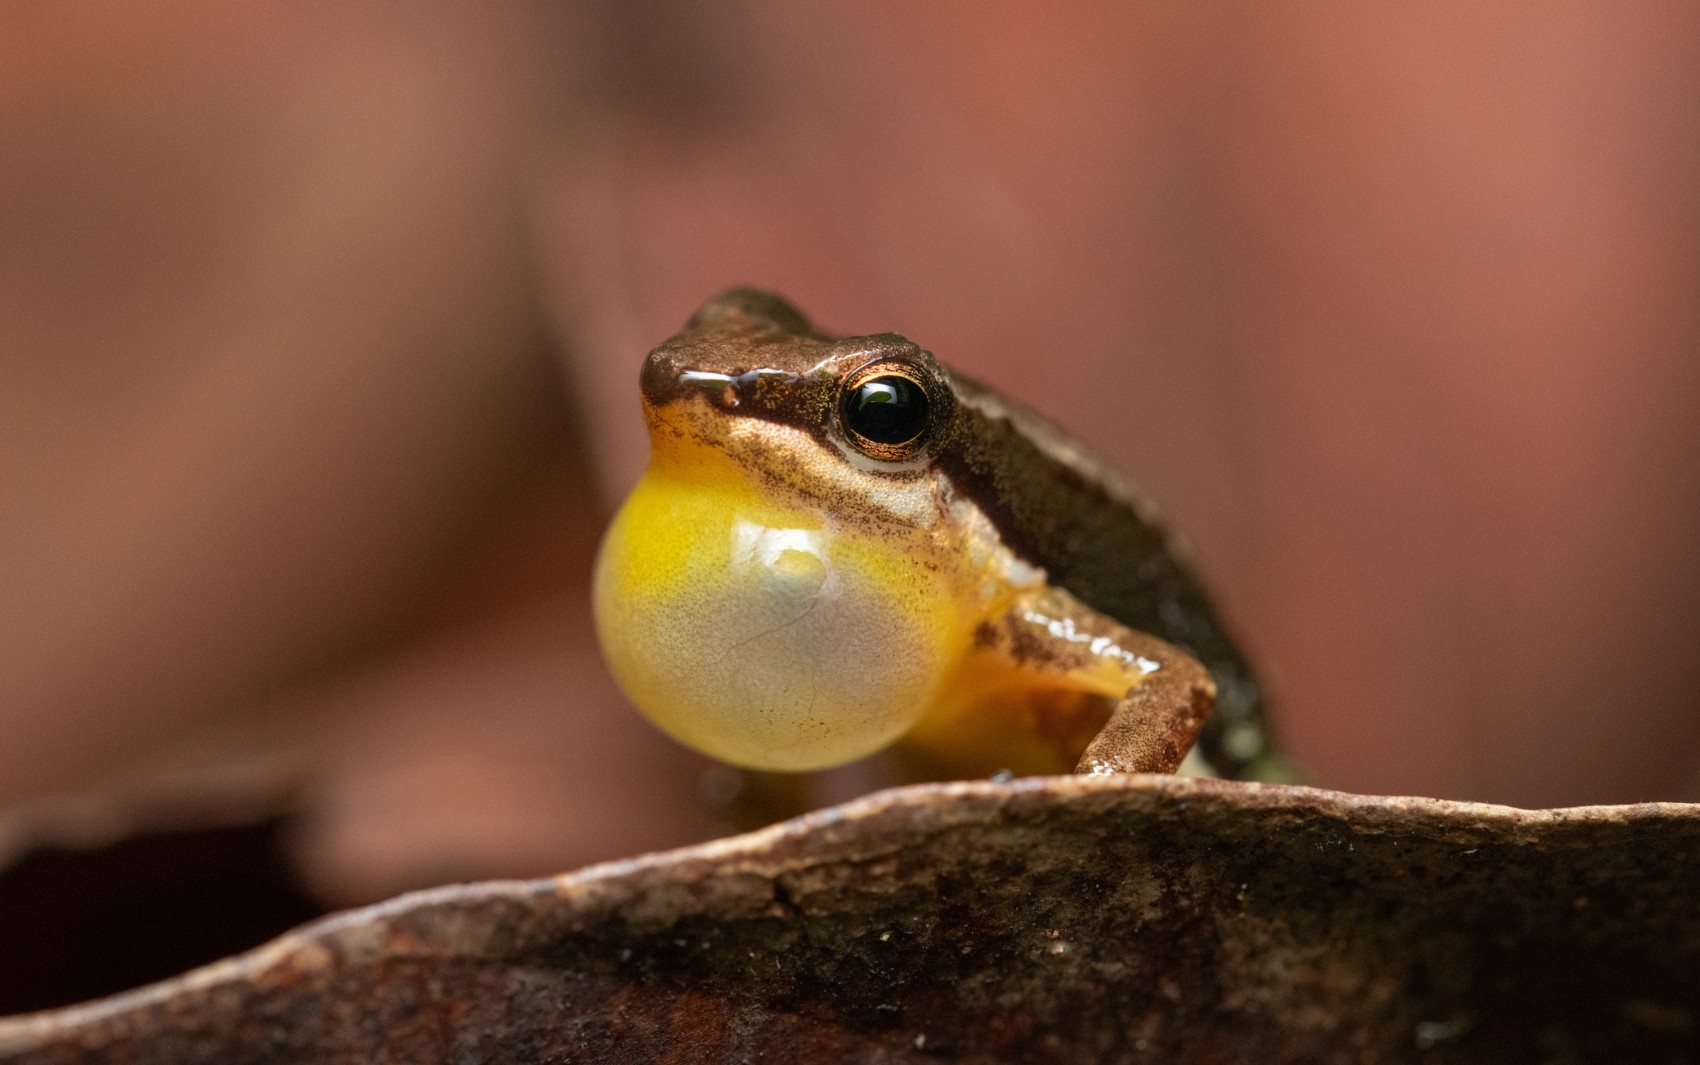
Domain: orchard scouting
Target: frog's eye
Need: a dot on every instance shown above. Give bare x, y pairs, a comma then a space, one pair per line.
884, 410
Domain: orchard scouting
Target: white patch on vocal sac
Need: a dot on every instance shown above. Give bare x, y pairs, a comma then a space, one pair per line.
762, 544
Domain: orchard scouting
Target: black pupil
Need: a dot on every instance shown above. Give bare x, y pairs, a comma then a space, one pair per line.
887, 410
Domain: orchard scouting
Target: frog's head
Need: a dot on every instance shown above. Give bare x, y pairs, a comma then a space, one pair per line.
779, 591
844, 423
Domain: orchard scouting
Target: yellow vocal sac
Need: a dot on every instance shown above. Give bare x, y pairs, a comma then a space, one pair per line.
767, 637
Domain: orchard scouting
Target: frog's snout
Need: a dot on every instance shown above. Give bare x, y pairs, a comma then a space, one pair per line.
668, 377
659, 380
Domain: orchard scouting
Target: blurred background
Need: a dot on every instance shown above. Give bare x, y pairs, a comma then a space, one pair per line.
319, 333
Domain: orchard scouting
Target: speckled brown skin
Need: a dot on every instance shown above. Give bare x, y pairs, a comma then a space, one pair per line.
1110, 567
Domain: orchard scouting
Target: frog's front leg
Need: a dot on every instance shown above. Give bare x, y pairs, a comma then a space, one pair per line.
1052, 685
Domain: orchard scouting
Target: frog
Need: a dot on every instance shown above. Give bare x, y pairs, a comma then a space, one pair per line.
841, 547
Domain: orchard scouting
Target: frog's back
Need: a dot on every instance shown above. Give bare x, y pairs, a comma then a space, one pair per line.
1062, 508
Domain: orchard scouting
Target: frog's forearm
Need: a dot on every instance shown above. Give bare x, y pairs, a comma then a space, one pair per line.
1161, 694
1154, 724
1051, 685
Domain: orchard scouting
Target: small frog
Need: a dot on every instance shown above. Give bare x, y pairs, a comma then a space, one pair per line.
841, 545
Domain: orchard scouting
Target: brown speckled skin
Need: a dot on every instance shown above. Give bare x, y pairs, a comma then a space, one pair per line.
1055, 920
1052, 503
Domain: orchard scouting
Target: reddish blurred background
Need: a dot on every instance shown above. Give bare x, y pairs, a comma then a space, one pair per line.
319, 328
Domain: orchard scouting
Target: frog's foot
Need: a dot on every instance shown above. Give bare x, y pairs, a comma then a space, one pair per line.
1053, 685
